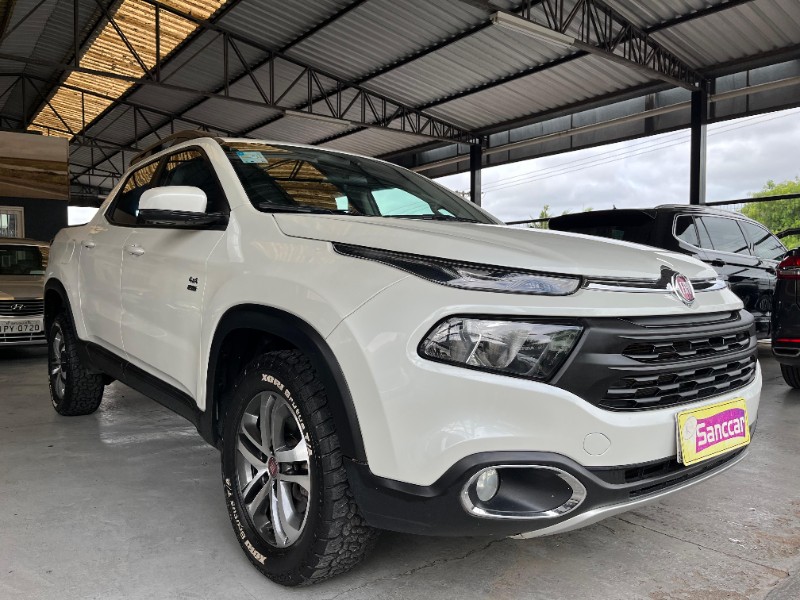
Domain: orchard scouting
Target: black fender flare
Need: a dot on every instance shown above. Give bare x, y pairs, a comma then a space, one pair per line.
308, 340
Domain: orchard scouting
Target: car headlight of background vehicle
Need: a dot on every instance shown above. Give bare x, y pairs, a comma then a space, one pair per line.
471, 276
516, 348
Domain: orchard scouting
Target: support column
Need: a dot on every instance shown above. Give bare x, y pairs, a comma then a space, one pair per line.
697, 165
475, 165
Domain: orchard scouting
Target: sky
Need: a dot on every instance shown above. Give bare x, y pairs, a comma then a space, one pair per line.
742, 155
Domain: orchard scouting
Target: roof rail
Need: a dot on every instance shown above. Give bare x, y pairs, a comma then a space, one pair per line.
169, 141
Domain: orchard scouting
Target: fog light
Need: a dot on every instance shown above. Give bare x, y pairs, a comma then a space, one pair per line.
487, 484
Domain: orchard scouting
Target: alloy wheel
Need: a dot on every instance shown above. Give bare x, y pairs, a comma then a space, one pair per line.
58, 373
273, 468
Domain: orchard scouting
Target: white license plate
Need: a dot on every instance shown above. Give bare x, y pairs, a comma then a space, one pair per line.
27, 326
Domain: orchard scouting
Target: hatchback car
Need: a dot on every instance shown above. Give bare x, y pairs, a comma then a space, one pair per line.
22, 267
741, 250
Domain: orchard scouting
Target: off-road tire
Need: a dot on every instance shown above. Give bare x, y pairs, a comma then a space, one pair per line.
82, 390
791, 375
335, 537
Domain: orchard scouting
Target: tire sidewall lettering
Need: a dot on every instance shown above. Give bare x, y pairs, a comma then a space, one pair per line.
258, 548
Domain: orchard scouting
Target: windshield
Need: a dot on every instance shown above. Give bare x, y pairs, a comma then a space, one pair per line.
22, 260
286, 179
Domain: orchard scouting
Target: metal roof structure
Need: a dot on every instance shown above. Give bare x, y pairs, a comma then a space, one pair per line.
440, 86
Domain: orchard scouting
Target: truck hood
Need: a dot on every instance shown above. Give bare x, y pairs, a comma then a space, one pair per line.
16, 287
533, 249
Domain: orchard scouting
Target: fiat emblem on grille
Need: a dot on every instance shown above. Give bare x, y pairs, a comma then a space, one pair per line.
683, 288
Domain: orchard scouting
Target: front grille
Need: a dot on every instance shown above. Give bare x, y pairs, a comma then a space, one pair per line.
679, 387
666, 350
21, 308
654, 362
22, 338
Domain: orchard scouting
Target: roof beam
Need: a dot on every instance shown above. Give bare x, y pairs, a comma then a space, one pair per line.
698, 14
367, 108
594, 27
363, 108
73, 54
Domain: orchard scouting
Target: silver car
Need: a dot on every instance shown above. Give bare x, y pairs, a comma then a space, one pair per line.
22, 267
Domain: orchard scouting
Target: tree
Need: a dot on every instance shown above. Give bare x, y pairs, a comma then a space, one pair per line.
780, 214
545, 214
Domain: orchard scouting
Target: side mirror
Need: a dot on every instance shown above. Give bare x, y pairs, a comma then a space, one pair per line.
176, 207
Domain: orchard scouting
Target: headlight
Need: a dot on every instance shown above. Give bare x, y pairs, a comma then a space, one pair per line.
487, 278
517, 348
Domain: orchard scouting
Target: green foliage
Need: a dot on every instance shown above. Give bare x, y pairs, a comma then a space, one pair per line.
780, 214
545, 214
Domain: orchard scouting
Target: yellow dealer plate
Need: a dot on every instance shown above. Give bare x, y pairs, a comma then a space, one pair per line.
707, 432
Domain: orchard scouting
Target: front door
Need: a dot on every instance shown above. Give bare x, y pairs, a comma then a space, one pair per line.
101, 261
163, 282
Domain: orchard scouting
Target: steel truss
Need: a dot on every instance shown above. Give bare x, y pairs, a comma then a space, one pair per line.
327, 96
594, 27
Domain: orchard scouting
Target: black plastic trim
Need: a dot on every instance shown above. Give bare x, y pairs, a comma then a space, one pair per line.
436, 509
110, 364
597, 363
433, 269
303, 336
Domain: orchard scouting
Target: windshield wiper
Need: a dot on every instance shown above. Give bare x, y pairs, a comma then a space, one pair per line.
269, 207
433, 218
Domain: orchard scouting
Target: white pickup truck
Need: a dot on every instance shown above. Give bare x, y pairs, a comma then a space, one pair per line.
369, 351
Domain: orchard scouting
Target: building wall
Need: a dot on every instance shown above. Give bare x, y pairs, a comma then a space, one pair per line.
34, 175
43, 218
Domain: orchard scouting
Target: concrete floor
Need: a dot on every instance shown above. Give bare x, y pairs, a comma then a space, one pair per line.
127, 503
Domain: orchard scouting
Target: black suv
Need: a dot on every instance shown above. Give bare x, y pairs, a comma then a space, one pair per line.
786, 317
741, 250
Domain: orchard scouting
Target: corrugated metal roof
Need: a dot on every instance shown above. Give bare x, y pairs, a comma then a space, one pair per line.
372, 142
276, 23
380, 32
572, 82
480, 58
299, 130
228, 116
376, 34
645, 13
202, 66
69, 110
746, 30
171, 101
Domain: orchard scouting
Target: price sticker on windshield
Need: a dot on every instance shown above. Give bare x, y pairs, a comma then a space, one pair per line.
252, 158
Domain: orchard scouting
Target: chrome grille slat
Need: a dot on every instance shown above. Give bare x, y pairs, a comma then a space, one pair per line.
30, 308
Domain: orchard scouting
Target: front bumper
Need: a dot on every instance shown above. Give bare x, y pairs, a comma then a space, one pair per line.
439, 510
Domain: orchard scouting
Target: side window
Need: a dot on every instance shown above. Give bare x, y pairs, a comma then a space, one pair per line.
702, 232
190, 167
686, 231
725, 235
125, 208
765, 245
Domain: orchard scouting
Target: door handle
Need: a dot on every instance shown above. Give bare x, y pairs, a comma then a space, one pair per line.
717, 263
89, 244
135, 250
